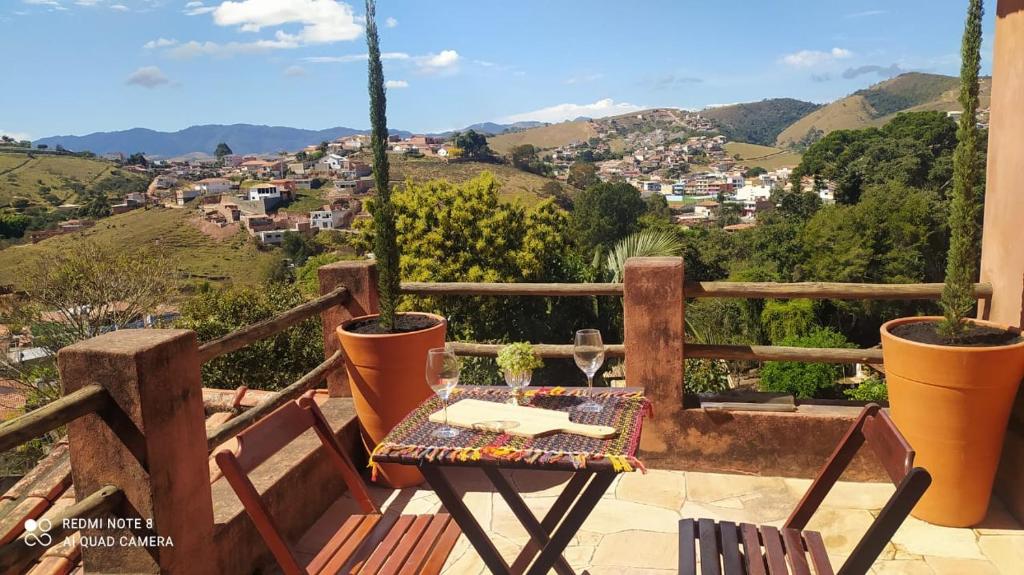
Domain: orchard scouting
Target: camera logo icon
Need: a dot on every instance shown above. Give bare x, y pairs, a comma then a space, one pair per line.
37, 532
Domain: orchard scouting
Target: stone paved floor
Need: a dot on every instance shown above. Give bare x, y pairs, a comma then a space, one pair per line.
632, 531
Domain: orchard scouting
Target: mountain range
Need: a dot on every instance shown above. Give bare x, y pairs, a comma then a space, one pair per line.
241, 138
780, 122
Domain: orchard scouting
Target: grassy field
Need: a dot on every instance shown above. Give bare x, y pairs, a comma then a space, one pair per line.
22, 176
544, 137
196, 256
767, 157
516, 185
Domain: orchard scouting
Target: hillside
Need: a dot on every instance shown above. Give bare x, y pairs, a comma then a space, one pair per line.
22, 176
550, 136
878, 104
758, 122
767, 157
516, 185
196, 256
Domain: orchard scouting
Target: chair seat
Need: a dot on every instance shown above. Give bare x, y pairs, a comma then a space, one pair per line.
746, 549
388, 544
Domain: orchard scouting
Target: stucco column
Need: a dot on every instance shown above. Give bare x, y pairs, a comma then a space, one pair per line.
360, 277
1002, 256
151, 444
653, 313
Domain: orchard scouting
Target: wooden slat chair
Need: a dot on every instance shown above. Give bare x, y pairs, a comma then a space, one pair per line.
370, 543
732, 549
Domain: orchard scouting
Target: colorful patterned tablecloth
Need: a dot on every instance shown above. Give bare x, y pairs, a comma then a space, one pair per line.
412, 442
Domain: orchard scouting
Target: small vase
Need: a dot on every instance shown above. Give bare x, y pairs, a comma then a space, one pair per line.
517, 381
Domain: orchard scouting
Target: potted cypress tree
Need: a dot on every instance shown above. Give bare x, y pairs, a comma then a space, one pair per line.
386, 353
952, 380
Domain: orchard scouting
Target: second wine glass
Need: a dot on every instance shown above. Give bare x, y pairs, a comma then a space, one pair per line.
443, 369
588, 351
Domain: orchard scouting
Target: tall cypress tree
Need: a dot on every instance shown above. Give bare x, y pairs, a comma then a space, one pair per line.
965, 206
385, 244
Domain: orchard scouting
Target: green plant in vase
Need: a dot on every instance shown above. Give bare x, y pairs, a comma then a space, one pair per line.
517, 362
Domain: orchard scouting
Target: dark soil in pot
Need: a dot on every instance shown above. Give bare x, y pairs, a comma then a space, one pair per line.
927, 332
403, 324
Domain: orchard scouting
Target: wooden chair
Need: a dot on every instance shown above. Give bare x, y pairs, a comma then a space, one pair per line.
370, 543
770, 551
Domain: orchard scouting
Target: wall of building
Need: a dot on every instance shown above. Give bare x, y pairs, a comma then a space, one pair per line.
1002, 261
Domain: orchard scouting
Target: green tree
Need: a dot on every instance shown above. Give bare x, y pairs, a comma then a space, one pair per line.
270, 363
604, 214
583, 175
525, 158
13, 225
805, 380
222, 150
786, 319
473, 145
299, 247
385, 247
965, 207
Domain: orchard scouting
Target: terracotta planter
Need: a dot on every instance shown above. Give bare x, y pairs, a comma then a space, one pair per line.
387, 375
953, 405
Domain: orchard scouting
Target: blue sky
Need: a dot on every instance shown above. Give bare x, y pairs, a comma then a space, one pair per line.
79, 66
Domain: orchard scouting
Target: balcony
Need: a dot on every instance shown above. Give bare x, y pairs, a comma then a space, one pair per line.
135, 396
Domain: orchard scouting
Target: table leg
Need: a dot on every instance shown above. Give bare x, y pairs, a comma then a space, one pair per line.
553, 517
539, 536
462, 516
572, 522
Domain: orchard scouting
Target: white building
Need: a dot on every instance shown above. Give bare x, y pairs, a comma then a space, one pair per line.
263, 191
272, 237
753, 193
326, 218
213, 186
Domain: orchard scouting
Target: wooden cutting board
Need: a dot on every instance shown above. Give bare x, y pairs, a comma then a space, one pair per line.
517, 420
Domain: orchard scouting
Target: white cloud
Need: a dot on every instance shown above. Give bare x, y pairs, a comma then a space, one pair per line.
294, 71
811, 58
119, 7
445, 62
198, 8
391, 22
53, 4
562, 112
159, 43
355, 58
16, 135
147, 77
87, 2
193, 49
866, 13
396, 84
323, 21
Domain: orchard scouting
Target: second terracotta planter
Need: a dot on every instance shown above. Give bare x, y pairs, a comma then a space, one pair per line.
387, 375
953, 405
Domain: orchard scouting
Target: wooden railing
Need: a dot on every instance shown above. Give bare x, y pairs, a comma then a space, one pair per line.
755, 290
60, 412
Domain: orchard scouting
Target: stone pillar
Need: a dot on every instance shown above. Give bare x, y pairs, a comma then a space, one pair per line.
360, 277
151, 444
653, 313
1002, 257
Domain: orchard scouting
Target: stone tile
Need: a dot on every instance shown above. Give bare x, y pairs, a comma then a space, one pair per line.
588, 537
629, 571
612, 516
642, 549
841, 529
505, 523
463, 560
846, 494
901, 568
760, 507
998, 521
922, 538
1006, 552
948, 566
712, 487
579, 556
658, 488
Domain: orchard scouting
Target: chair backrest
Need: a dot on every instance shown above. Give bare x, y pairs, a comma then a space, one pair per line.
265, 438
875, 428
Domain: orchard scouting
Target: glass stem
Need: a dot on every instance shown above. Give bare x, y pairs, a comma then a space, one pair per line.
444, 404
590, 387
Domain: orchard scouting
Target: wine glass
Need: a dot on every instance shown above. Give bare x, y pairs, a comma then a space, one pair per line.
588, 351
443, 368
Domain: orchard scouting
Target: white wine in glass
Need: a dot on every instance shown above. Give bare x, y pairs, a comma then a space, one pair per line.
588, 351
443, 369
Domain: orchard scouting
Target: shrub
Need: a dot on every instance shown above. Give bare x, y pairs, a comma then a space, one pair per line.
805, 380
871, 389
706, 376
782, 319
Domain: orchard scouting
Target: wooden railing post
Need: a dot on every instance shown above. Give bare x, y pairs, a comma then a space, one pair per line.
653, 313
151, 444
360, 277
